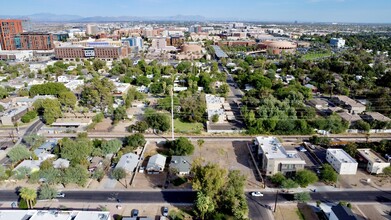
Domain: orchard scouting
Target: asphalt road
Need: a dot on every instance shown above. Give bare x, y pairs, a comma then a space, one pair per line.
258, 205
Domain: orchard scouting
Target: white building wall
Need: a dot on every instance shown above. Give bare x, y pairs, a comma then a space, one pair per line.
348, 168
377, 168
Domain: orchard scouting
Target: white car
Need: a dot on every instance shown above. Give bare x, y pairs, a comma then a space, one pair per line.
256, 194
60, 195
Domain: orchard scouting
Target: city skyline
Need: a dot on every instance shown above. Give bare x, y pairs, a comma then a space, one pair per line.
355, 11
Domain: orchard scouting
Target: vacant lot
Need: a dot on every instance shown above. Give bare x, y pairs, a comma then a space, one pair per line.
287, 212
230, 155
183, 127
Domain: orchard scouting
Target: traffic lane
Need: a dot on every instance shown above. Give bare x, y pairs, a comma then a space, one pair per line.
8, 195
131, 197
258, 208
353, 196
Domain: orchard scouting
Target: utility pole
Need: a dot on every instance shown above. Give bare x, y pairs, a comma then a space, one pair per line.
275, 203
172, 113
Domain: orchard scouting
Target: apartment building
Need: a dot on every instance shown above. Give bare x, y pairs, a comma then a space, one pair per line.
372, 161
275, 158
34, 41
341, 161
9, 28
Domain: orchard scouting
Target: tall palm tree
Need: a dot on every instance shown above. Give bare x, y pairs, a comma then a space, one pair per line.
29, 195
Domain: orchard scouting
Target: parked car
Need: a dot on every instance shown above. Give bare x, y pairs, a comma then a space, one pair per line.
165, 211
60, 195
135, 213
257, 194
302, 149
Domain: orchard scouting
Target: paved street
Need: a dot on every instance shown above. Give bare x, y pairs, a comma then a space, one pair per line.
256, 204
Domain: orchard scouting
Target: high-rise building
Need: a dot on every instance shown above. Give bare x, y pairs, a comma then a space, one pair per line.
8, 30
135, 42
92, 29
337, 42
34, 41
195, 29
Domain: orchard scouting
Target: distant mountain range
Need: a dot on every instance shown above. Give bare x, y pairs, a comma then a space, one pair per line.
48, 17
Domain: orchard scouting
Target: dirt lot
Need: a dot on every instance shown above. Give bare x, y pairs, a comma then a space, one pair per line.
360, 180
231, 155
286, 212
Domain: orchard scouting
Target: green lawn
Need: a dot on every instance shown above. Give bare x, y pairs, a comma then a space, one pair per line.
316, 55
184, 127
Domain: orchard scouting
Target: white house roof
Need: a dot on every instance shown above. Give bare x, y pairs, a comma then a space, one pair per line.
128, 162
156, 162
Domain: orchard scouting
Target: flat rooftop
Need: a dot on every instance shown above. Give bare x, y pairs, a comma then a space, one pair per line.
272, 148
341, 155
371, 156
53, 215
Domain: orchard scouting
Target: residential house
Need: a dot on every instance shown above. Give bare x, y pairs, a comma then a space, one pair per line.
351, 105
61, 163
375, 116
33, 165
181, 165
156, 163
128, 162
341, 212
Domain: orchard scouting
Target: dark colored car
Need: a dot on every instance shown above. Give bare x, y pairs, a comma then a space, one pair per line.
135, 213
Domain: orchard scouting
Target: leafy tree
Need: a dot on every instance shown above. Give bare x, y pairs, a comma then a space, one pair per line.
30, 115
67, 99
351, 149
181, 147
46, 164
362, 125
51, 175
233, 197
209, 178
77, 150
139, 126
278, 179
193, 108
289, 184
387, 171
215, 118
34, 140
98, 117
120, 114
98, 64
97, 94
135, 140
305, 177
77, 174
29, 195
98, 174
302, 197
119, 174
3, 92
50, 108
111, 146
158, 121
50, 88
18, 153
22, 173
47, 192
204, 205
328, 174
3, 173
320, 140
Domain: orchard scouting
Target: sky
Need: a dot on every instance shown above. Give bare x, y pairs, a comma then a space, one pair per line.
368, 11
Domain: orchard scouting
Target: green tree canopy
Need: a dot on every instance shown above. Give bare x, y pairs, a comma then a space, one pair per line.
328, 174
305, 177
18, 153
180, 147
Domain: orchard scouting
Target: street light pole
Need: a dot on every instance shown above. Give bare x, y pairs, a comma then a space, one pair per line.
275, 203
172, 113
